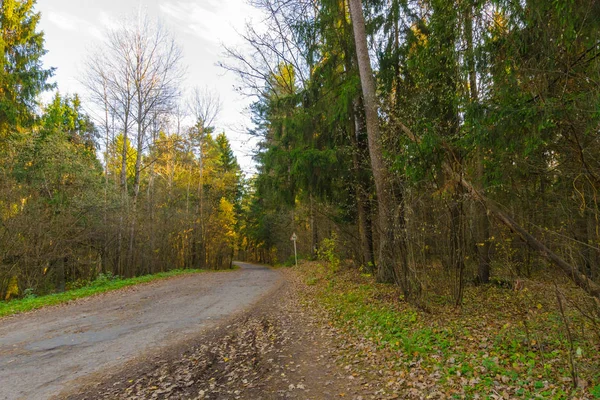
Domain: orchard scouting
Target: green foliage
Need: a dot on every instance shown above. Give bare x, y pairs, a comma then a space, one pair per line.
328, 252
226, 158
104, 278
304, 122
484, 344
22, 76
229, 169
115, 158
29, 293
291, 261
65, 116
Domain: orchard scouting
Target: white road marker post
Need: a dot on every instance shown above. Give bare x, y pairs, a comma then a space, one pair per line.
293, 239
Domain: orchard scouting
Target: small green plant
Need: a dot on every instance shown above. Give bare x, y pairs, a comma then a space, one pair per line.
595, 391
29, 293
327, 252
106, 277
538, 385
78, 284
290, 262
312, 280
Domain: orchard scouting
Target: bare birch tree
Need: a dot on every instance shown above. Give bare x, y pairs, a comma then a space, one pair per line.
136, 77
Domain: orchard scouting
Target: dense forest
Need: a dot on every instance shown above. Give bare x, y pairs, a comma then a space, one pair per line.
437, 161
451, 141
131, 191
418, 139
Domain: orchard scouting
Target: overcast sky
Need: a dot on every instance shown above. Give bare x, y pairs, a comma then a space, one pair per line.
72, 28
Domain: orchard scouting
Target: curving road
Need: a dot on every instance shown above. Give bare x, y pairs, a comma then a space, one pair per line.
43, 352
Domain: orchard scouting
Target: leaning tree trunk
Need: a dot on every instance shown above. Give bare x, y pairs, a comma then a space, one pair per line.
383, 182
571, 271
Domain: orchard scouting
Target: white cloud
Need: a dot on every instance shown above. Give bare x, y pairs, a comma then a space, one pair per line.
108, 21
68, 22
96, 32
64, 21
215, 22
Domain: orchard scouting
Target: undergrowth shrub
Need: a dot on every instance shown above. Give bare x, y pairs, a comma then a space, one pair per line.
105, 278
328, 252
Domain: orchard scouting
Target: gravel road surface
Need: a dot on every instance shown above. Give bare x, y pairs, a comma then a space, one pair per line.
44, 351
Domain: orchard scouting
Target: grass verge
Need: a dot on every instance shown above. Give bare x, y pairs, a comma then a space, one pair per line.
500, 344
101, 285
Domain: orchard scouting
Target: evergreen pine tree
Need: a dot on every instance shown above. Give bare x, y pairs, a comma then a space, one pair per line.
22, 75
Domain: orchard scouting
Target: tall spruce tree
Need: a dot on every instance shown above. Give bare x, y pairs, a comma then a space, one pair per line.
22, 75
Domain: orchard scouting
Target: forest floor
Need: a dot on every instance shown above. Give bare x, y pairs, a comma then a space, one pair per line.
539, 340
325, 333
336, 334
279, 349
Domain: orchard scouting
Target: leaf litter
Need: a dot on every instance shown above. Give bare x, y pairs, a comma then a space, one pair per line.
324, 337
280, 349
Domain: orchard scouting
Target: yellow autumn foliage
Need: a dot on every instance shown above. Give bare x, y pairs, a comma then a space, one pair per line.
13, 288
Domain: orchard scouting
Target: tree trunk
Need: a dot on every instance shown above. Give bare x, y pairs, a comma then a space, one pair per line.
124, 197
124, 153
385, 270
107, 129
482, 223
203, 253
360, 162
313, 229
457, 253
363, 206
151, 261
571, 271
136, 183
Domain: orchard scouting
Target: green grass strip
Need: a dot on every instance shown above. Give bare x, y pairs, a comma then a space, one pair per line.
95, 287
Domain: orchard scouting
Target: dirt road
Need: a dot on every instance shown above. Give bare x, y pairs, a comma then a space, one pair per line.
43, 352
280, 348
